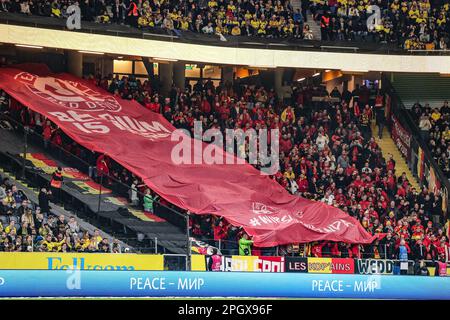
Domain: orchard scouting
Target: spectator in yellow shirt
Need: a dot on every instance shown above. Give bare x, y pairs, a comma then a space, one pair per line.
184, 24
255, 23
96, 238
231, 7
441, 20
395, 5
11, 227
49, 243
212, 4
404, 7
236, 31
413, 13
289, 174
56, 11
446, 133
262, 26
436, 115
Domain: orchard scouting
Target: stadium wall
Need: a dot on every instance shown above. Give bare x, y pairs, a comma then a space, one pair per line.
310, 265
155, 262
218, 55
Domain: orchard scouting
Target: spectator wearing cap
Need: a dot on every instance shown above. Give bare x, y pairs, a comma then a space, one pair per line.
388, 246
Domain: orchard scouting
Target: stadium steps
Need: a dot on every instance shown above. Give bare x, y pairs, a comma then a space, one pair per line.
387, 146
426, 88
314, 26
296, 4
136, 220
33, 195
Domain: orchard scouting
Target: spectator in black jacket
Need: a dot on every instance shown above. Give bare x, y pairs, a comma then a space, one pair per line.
118, 10
205, 227
345, 250
421, 268
388, 247
231, 245
419, 250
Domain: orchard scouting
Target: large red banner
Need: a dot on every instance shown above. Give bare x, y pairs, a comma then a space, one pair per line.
140, 140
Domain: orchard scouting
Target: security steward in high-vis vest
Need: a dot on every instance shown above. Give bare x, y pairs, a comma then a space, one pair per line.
324, 26
133, 14
56, 184
245, 244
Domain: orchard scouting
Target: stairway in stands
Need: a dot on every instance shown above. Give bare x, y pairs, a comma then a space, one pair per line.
388, 146
170, 238
425, 88
313, 25
32, 194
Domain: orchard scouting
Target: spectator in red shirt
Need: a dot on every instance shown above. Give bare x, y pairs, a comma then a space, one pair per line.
285, 144
220, 231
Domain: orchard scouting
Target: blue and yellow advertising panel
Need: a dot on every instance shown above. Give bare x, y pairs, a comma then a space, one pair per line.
81, 261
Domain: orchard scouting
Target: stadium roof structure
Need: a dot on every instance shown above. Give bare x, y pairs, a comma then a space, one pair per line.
190, 47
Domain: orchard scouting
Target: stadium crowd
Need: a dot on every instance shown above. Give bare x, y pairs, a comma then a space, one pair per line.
418, 24
434, 125
251, 18
327, 153
27, 227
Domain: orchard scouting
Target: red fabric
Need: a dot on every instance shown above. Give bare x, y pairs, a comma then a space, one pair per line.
153, 106
140, 140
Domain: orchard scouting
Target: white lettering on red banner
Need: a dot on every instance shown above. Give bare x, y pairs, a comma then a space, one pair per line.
100, 124
401, 137
69, 94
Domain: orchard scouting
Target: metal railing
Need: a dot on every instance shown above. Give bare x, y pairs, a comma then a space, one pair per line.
429, 52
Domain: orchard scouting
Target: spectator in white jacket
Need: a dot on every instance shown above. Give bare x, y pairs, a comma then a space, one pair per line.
321, 141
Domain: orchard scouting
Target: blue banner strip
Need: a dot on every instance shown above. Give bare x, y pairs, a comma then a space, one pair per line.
76, 283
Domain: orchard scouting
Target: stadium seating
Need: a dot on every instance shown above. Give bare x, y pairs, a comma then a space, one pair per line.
434, 125
31, 227
418, 25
